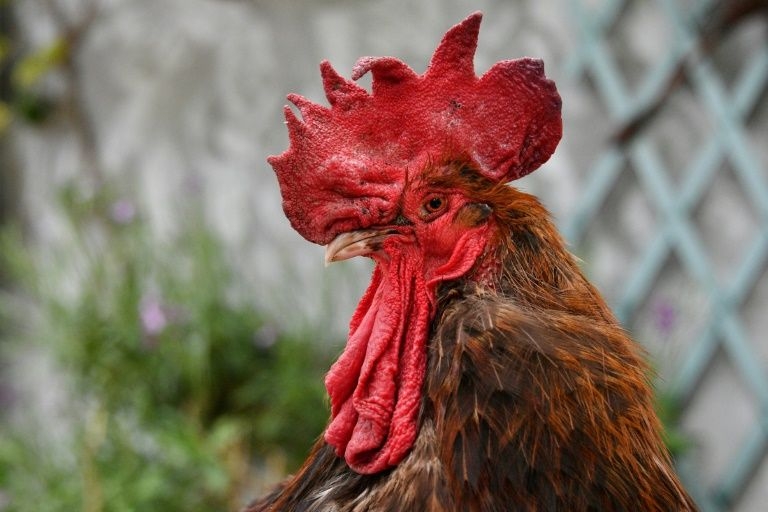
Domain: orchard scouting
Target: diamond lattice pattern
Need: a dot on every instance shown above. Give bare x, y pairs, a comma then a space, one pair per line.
689, 155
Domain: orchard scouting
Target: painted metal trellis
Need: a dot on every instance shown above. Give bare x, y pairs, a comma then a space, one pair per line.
727, 143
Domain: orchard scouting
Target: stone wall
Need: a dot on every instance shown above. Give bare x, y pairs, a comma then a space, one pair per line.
185, 97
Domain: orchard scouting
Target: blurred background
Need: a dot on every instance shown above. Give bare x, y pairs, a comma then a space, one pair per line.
164, 332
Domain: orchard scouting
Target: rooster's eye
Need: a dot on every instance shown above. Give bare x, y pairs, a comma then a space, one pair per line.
433, 206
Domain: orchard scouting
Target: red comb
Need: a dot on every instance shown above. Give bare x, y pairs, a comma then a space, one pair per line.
347, 164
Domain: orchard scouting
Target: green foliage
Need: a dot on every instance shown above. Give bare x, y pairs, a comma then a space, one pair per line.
5, 46
174, 379
668, 408
6, 116
35, 65
27, 72
31, 106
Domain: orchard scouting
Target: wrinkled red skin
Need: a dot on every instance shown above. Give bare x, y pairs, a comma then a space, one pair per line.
370, 160
348, 164
375, 385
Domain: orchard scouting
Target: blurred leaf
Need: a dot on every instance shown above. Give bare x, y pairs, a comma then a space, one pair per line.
6, 117
31, 68
32, 106
15, 257
5, 46
668, 409
182, 410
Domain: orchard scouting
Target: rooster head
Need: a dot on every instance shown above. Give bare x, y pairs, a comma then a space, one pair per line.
380, 174
348, 165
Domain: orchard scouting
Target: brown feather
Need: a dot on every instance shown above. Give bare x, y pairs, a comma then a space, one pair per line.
535, 398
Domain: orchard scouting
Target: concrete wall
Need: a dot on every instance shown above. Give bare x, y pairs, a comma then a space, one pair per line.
185, 98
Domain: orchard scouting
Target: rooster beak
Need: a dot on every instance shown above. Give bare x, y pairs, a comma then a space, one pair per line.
355, 243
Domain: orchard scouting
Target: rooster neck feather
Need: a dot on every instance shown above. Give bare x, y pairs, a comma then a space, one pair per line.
533, 397
534, 400
526, 259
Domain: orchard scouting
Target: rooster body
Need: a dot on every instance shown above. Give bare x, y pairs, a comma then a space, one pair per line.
483, 372
535, 398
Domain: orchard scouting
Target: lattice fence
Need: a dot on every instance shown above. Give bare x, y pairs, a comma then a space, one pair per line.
689, 152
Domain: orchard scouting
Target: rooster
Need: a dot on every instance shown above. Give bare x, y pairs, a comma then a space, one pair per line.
483, 372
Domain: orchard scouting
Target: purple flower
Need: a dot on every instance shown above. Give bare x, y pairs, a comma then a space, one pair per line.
664, 316
153, 315
122, 211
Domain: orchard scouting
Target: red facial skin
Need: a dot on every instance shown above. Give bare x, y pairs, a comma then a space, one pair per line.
438, 220
375, 386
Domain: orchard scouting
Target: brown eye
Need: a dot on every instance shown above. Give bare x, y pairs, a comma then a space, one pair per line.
433, 206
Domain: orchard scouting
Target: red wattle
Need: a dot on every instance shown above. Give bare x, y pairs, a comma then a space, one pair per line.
375, 385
